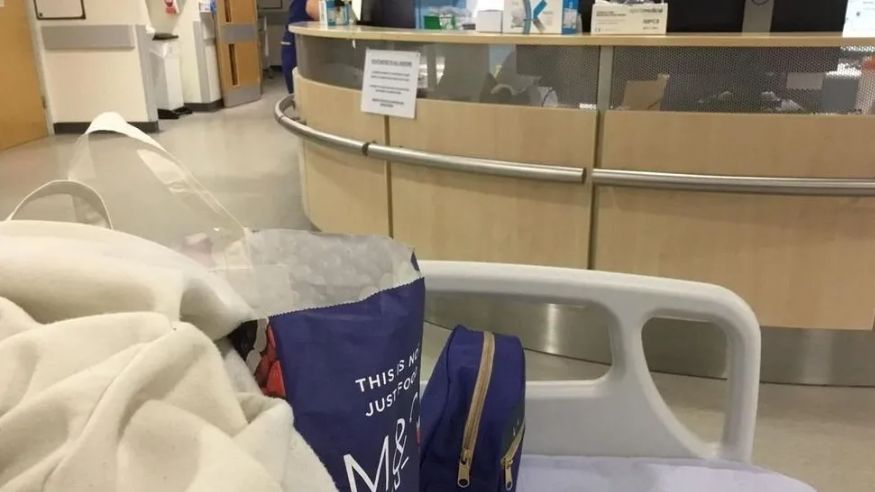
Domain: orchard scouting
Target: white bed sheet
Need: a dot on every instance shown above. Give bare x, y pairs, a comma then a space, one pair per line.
578, 474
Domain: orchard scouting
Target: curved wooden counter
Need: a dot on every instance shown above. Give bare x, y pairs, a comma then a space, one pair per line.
800, 261
448, 214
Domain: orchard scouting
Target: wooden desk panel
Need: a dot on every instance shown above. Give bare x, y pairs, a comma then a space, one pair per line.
805, 262
799, 261
343, 192
465, 216
740, 144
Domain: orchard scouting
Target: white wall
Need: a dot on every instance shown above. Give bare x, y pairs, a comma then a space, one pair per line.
40, 66
80, 84
215, 90
162, 21
113, 81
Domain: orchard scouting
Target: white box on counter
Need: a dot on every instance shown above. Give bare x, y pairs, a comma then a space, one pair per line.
488, 21
611, 18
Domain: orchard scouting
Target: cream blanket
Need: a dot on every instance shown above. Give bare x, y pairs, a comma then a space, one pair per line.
110, 380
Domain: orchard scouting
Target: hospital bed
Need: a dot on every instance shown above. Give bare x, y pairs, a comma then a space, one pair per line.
616, 432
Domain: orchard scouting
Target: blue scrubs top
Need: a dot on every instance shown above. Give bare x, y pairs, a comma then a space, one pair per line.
297, 13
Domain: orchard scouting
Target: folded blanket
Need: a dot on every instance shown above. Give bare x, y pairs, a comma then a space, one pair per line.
105, 386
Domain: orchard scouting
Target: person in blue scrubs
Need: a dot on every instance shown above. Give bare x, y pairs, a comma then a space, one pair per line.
299, 11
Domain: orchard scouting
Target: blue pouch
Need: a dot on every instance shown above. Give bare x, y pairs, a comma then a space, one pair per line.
473, 414
345, 353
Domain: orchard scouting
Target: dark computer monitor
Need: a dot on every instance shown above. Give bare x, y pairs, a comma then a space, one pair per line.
388, 13
809, 15
728, 15
585, 9
705, 15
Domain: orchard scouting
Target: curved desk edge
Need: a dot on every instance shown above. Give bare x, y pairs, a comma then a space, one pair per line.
716, 40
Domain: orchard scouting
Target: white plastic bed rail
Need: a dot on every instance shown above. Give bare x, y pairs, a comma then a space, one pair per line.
622, 413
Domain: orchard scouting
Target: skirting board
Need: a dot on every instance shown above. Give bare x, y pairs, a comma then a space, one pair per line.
79, 127
206, 107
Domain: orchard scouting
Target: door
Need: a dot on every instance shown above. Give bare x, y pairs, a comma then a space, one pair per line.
239, 56
21, 104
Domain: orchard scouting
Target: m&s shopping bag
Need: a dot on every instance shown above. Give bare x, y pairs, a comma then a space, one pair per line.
343, 347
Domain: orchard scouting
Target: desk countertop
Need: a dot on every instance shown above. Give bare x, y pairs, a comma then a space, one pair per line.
735, 40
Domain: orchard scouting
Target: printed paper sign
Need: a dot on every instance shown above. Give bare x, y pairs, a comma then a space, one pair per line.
860, 18
390, 81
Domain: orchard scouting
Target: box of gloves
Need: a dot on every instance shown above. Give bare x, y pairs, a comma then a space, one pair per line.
628, 17
540, 16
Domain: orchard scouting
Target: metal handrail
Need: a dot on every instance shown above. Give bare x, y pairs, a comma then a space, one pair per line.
301, 129
847, 187
425, 159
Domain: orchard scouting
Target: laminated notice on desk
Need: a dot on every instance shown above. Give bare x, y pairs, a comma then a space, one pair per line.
647, 18
390, 82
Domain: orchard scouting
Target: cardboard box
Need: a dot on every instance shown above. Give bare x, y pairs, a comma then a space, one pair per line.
610, 18
489, 21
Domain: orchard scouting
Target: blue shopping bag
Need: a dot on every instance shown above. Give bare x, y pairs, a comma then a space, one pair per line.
347, 355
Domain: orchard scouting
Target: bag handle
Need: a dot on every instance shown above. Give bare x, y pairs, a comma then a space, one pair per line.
227, 234
169, 171
78, 191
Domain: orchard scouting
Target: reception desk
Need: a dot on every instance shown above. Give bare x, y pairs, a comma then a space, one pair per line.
741, 160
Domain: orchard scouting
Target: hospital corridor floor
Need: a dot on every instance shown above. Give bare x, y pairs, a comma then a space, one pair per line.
823, 436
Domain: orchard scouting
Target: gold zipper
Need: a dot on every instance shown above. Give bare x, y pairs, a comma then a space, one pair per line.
507, 460
472, 423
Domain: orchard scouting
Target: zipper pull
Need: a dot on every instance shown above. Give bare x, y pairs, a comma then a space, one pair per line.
463, 480
508, 475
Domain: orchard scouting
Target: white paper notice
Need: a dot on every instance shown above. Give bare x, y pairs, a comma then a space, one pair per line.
860, 19
389, 84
